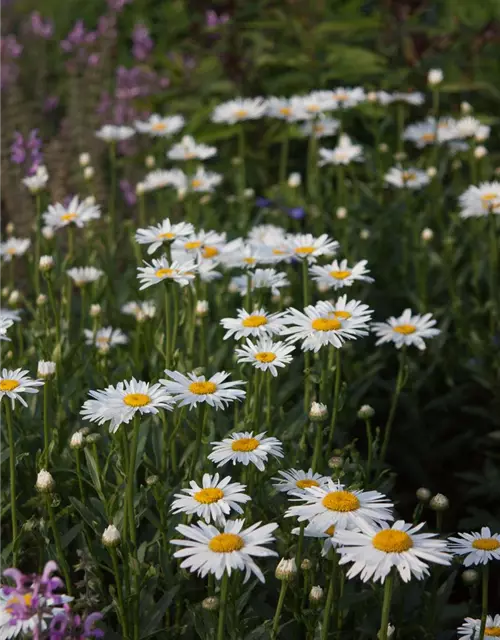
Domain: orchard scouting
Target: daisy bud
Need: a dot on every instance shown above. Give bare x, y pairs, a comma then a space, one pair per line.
76, 441
201, 308
232, 287
341, 213
88, 173
84, 159
365, 412
465, 108
9, 355
456, 164
181, 194
480, 152
41, 300
93, 438
211, 603
5, 292
470, 577
336, 462
294, 180
139, 188
318, 412
150, 162
435, 77
322, 287
90, 200
316, 595
45, 482
364, 234
48, 233
111, 536
383, 147
205, 199
306, 564
151, 480
236, 161
371, 96
249, 193
399, 156
46, 369
431, 172
9, 229
14, 297
95, 310
423, 494
46, 263
427, 234
439, 502
286, 569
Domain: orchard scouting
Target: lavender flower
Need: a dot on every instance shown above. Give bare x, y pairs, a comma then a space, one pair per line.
128, 192
41, 28
142, 43
66, 626
212, 20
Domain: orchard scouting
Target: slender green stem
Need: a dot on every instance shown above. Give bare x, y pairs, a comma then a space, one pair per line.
112, 190
248, 297
82, 307
46, 435
318, 446
79, 474
386, 607
176, 320
269, 399
336, 400
400, 120
369, 440
12, 471
199, 435
167, 329
284, 157
307, 355
223, 606
392, 411
37, 244
328, 613
277, 614
493, 271
484, 599
256, 397
55, 312
119, 592
57, 539
131, 478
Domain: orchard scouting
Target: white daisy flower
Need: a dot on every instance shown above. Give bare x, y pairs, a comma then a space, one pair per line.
160, 178
261, 279
257, 324
204, 181
480, 201
213, 500
320, 128
194, 389
414, 98
207, 550
306, 246
15, 382
478, 548
206, 271
38, 181
181, 273
160, 126
239, 110
77, 213
247, 255
283, 109
140, 310
189, 149
332, 504
406, 330
5, 323
471, 628
114, 133
408, 178
118, 405
105, 338
294, 480
83, 275
265, 354
468, 127
377, 549
10, 314
339, 274
427, 133
156, 235
354, 311
344, 153
346, 97
207, 244
13, 625
267, 234
314, 104
244, 447
14, 247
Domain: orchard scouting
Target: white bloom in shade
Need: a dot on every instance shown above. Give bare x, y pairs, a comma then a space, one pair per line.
478, 548
406, 330
194, 389
332, 504
111, 536
265, 354
14, 247
480, 201
261, 279
286, 569
295, 480
38, 181
294, 180
411, 97
83, 275
189, 149
118, 405
204, 181
77, 213
207, 550
161, 270
140, 310
391, 630
202, 308
259, 323
114, 133
323, 127
377, 549
238, 110
435, 77
471, 628
339, 274
344, 153
46, 369
46, 263
213, 500
468, 127
77, 440
409, 178
160, 126
164, 178
318, 412
5, 323
245, 448
163, 232
105, 338
15, 382
45, 482
306, 247
207, 271
247, 255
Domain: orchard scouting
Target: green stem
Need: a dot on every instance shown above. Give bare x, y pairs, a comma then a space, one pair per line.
37, 244
55, 312
167, 329
131, 479
46, 435
112, 191
369, 440
223, 606
484, 599
400, 119
336, 398
119, 592
12, 471
281, 601
199, 435
318, 445
57, 540
493, 271
79, 474
327, 613
284, 157
386, 607
392, 411
82, 308
269, 400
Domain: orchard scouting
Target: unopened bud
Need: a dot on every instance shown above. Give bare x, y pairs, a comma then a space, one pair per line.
93, 438
211, 603
465, 107
427, 234
90, 200
201, 308
316, 595
439, 502
294, 180
150, 161
318, 412
205, 199
480, 152
151, 480
181, 194
14, 297
88, 173
5, 292
470, 577
45, 482
371, 96
48, 233
111, 536
84, 159
383, 147
9, 229
249, 193
76, 441
306, 564
236, 161
423, 494
456, 164
46, 263
341, 213
365, 412
95, 310
46, 368
139, 188
435, 77
336, 462
364, 234
286, 569
41, 300
431, 172
399, 156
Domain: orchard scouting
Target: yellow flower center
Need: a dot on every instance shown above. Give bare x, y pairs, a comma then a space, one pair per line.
196, 183
226, 543
245, 444
136, 399
304, 250
202, 388
265, 356
427, 137
326, 324
285, 111
312, 107
305, 484
189, 155
27, 598
168, 236
330, 531
341, 501
161, 273
210, 252
340, 275
342, 97
392, 541
486, 544
408, 176
241, 113
11, 251
254, 321
405, 329
488, 200
319, 128
68, 217
8, 385
492, 632
158, 126
194, 244
278, 252
208, 496
249, 260
102, 339
343, 315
